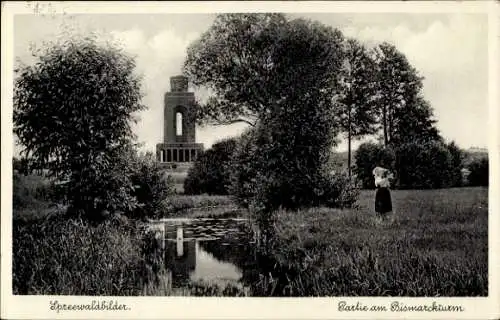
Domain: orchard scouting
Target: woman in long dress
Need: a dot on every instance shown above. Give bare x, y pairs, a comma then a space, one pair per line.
383, 201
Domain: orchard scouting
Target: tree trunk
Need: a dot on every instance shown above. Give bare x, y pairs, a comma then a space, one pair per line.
349, 143
389, 124
384, 120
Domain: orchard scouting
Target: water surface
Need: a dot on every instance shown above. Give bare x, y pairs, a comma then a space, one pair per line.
217, 251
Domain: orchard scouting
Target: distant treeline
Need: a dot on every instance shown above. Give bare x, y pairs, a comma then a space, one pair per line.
417, 166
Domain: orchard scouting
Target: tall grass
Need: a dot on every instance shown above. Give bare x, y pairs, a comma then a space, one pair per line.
31, 191
435, 245
73, 257
54, 255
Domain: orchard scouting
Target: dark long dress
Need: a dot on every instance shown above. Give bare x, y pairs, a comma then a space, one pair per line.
383, 202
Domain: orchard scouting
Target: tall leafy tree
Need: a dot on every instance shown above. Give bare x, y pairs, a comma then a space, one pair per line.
275, 74
403, 114
414, 122
73, 115
253, 67
357, 93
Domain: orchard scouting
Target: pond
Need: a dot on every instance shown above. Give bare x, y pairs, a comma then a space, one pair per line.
215, 251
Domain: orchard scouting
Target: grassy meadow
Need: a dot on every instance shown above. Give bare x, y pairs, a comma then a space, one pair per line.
435, 244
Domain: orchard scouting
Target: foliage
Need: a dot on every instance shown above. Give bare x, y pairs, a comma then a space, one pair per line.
257, 63
73, 113
30, 191
21, 166
457, 163
210, 172
357, 94
424, 166
368, 156
254, 185
403, 114
479, 172
58, 256
279, 73
151, 185
337, 191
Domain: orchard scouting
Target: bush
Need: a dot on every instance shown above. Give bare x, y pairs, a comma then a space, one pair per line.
424, 166
479, 172
73, 116
262, 182
210, 173
30, 191
457, 161
151, 186
368, 156
418, 165
338, 191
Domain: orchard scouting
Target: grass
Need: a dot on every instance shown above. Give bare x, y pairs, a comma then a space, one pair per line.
56, 255
198, 206
53, 254
436, 244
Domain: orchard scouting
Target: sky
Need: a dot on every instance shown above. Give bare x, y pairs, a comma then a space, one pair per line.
449, 50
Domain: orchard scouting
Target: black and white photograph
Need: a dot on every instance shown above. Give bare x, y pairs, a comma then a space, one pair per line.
189, 151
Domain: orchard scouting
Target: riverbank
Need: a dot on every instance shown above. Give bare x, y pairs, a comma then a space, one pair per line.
54, 254
435, 244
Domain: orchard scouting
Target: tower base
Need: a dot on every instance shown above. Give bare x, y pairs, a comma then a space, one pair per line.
178, 153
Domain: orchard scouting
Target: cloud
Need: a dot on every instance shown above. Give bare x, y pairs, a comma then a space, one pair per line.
450, 51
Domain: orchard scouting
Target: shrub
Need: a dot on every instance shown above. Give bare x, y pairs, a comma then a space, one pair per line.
424, 166
368, 156
73, 116
479, 172
210, 172
30, 191
261, 181
457, 159
151, 186
338, 191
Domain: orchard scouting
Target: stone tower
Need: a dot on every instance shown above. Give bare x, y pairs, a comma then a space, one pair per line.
179, 127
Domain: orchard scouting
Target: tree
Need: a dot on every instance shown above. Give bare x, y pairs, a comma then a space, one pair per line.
355, 103
252, 68
210, 173
427, 165
275, 74
414, 123
403, 114
73, 114
457, 159
479, 172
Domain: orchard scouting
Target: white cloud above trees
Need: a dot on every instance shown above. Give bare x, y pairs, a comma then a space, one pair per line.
449, 51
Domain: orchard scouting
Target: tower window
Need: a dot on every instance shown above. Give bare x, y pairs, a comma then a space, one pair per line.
178, 120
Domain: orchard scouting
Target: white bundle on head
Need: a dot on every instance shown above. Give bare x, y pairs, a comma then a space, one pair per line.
382, 176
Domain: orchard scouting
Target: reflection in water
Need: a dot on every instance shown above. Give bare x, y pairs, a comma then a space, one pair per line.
219, 251
215, 251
